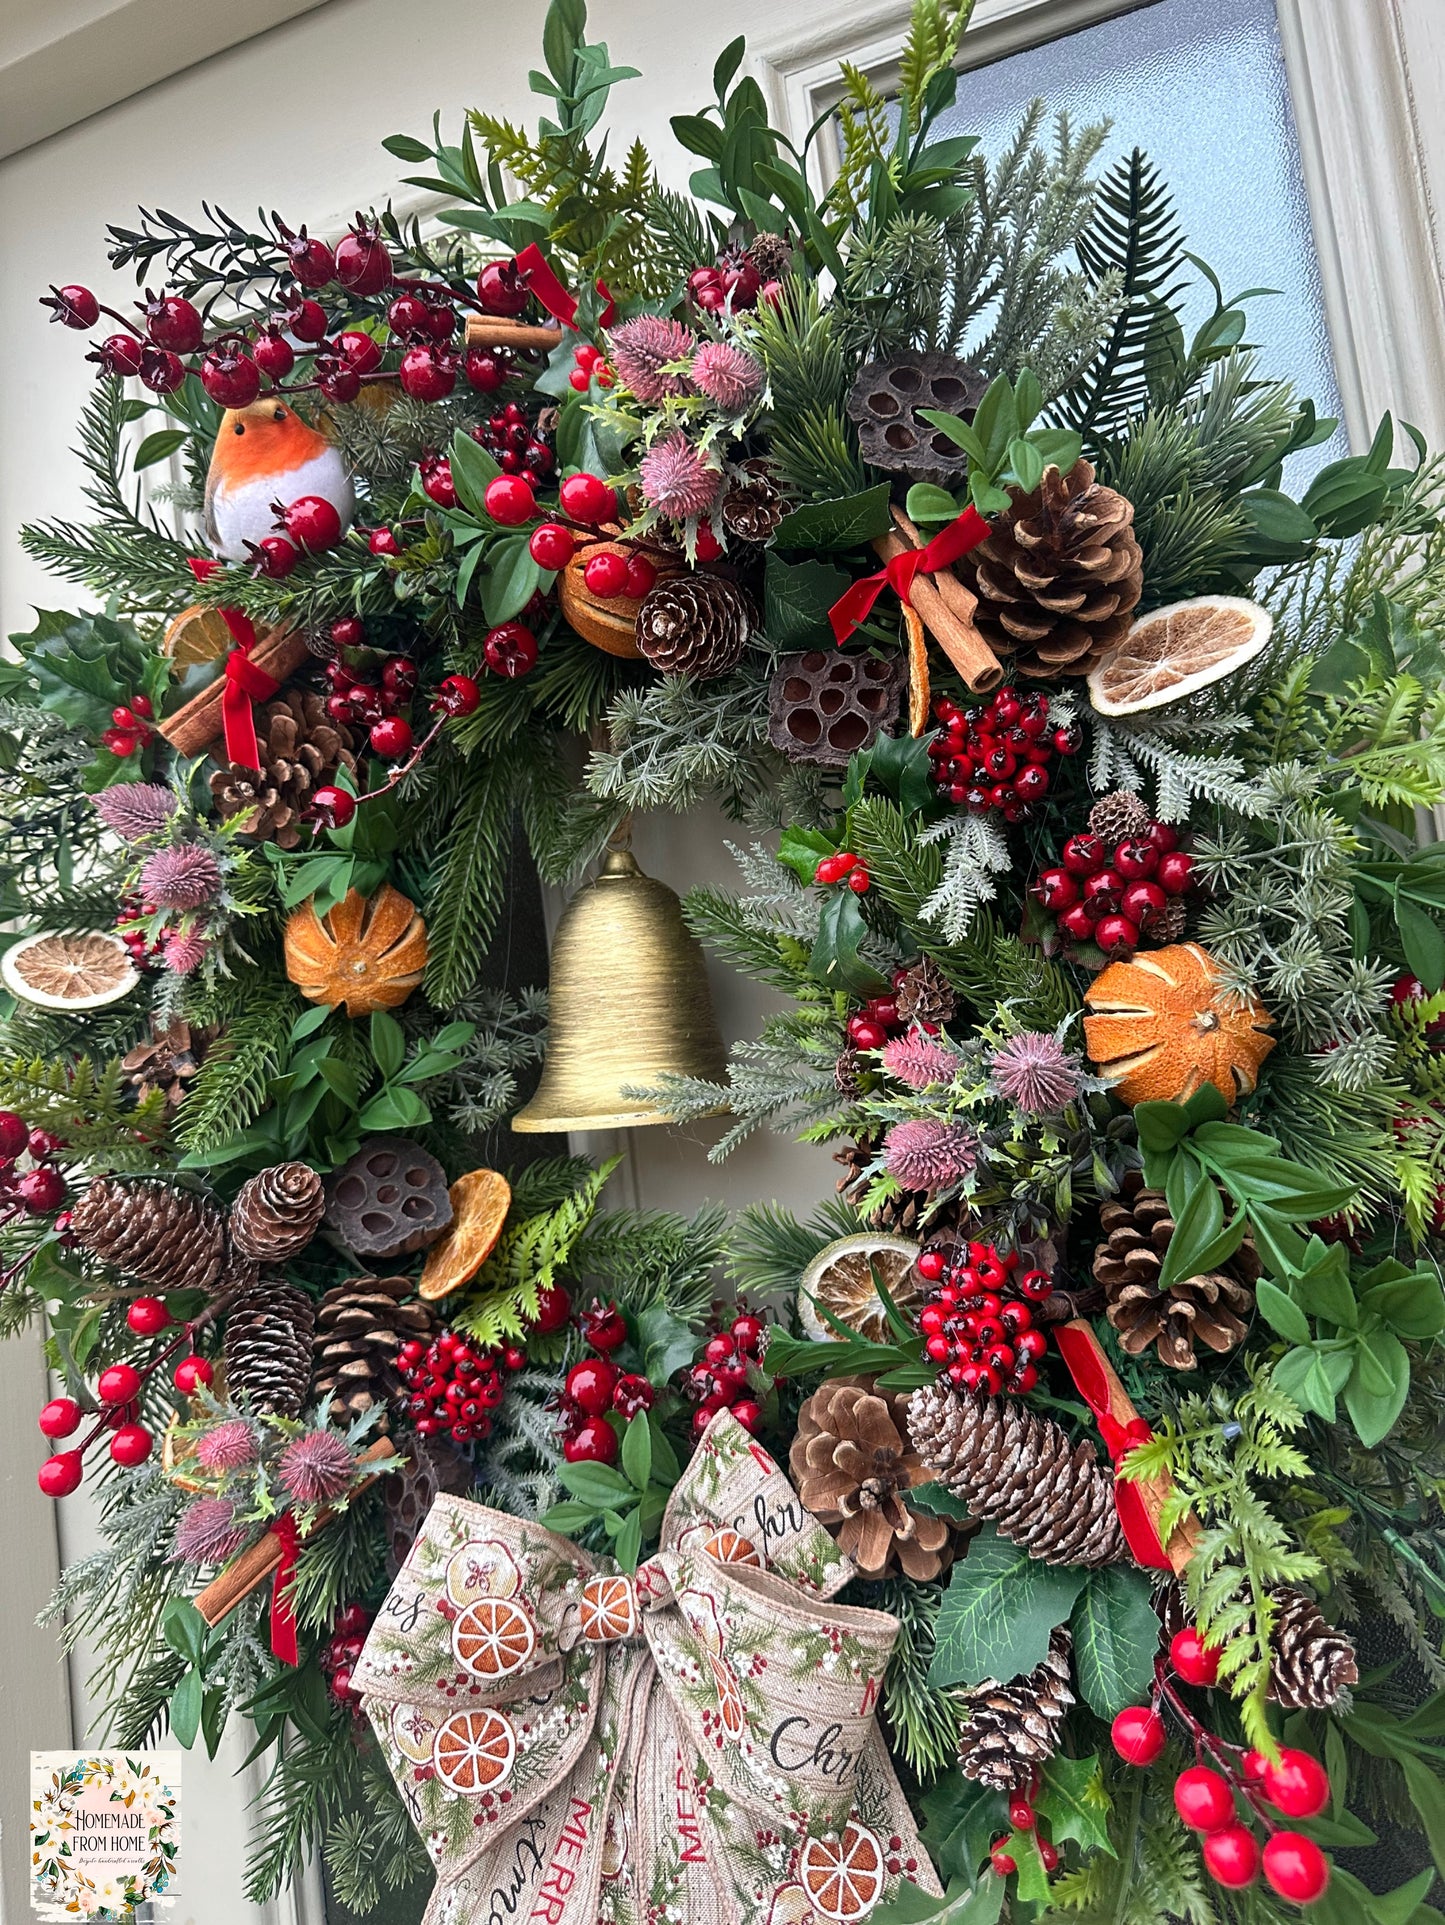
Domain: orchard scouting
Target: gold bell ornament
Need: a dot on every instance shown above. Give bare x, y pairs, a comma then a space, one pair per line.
629, 1005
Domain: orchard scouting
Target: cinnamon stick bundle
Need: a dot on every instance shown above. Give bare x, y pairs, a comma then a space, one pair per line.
194, 727
251, 1569
496, 331
946, 608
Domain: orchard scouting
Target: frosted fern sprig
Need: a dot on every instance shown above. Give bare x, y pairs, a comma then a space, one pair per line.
975, 852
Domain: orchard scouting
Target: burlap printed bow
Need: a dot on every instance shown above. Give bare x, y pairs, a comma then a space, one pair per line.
697, 1742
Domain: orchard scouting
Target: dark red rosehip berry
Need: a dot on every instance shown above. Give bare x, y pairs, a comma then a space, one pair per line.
1085, 855
588, 499
381, 541
631, 1395
311, 521
458, 695
406, 314
436, 481
441, 321
510, 649
605, 574
501, 289
484, 370
230, 377
1175, 872
332, 808
399, 676
173, 322
1031, 784
1057, 890
337, 379
304, 319
273, 354
554, 1311
428, 374
60, 1417
1136, 858
161, 371
360, 351
362, 262
593, 1442
347, 631
603, 1326
641, 577
119, 354
311, 262
1163, 837
1117, 936
748, 1332
391, 737
1101, 892
14, 1134
41, 1190
930, 1265
59, 1476
1068, 740
147, 1316
1143, 903
72, 306
1077, 923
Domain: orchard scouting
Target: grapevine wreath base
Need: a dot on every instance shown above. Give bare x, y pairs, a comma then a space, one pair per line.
1052, 1521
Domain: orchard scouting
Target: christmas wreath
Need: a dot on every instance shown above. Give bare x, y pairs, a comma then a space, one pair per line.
1051, 1522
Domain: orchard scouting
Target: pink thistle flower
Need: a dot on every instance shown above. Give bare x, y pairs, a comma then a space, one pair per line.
181, 878
315, 1468
640, 350
183, 954
228, 1446
208, 1532
930, 1155
731, 379
1036, 1073
917, 1060
135, 809
676, 480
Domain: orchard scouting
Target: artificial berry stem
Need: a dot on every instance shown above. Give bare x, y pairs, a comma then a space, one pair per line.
1208, 1745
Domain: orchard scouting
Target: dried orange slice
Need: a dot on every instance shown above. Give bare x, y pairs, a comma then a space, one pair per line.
414, 1731
480, 1201
493, 1638
83, 970
843, 1877
485, 1568
197, 634
473, 1751
730, 1547
609, 1609
1170, 653
729, 1698
841, 1277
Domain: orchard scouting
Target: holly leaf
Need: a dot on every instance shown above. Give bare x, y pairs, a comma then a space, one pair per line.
1031, 1880
801, 850
961, 1820
848, 522
1116, 1638
1074, 1801
836, 961
936, 1499
962, 1904
999, 1612
796, 600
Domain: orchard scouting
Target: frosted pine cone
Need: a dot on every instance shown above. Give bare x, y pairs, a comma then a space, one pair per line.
1312, 1665
276, 1212
1012, 1729
694, 625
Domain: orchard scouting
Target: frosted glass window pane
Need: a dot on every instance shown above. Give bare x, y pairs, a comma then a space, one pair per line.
1200, 85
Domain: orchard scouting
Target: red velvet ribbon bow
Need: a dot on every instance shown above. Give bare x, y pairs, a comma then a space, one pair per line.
856, 603
245, 681
536, 271
283, 1602
1096, 1384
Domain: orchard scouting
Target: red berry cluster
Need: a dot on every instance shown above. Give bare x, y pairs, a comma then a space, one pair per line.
730, 285
1113, 896
997, 760
454, 1386
609, 574
596, 1386
727, 1377
1023, 1816
39, 1189
115, 1404
1211, 1796
131, 914
982, 1335
879, 1019
130, 727
588, 362
519, 445
843, 867
376, 705
341, 1651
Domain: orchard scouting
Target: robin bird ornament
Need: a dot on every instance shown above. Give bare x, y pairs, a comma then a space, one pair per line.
265, 454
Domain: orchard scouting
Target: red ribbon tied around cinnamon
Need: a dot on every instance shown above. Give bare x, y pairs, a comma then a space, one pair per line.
856, 603
1122, 1429
245, 680
536, 271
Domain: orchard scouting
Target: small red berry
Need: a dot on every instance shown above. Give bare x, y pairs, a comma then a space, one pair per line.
749, 1413
436, 481
41, 1190
1175, 872
509, 500
859, 880
1163, 837
347, 631
118, 354
930, 1265
1077, 923
147, 1316
59, 1476
331, 807
312, 262
1135, 858
1297, 1784
1021, 1814
381, 541
1002, 1863
312, 521
1231, 1856
605, 574
362, 261
1084, 855
1143, 903
501, 289
1101, 892
131, 1445
1138, 1735
230, 377
551, 545
174, 323
510, 649
631, 1395
427, 374
14, 1133
603, 1326
391, 737
1048, 1855
60, 1417
74, 307
641, 577
485, 371
554, 1311
161, 371
587, 498
593, 1442
458, 695
1057, 890
1296, 1868
1117, 936
1203, 1799
748, 1332
274, 556
1194, 1660
118, 1385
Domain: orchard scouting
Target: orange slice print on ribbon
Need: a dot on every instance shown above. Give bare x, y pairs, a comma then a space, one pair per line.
493, 1638
413, 1731
731, 1547
729, 1699
473, 1751
843, 1877
609, 1609
484, 1568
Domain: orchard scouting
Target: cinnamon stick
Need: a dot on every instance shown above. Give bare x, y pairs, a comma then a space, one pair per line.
193, 728
961, 600
956, 635
251, 1569
495, 331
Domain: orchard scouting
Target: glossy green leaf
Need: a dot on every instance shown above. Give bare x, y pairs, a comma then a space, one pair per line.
796, 600
1073, 1798
1281, 1312
850, 522
999, 1612
836, 959
1116, 1639
637, 1452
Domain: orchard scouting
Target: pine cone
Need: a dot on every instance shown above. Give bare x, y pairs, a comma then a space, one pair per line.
1012, 1729
168, 1062
1118, 814
268, 1347
1018, 1470
903, 1213
752, 509
1312, 1664
432, 1466
1059, 576
1208, 1309
771, 255
360, 1327
276, 1213
1170, 924
853, 1469
846, 1071
301, 749
169, 1238
694, 625
925, 995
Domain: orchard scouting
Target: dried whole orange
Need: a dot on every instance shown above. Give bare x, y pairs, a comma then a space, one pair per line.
480, 1201
1163, 1025
367, 953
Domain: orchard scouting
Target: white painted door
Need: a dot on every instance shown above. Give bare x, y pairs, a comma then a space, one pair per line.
284, 103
